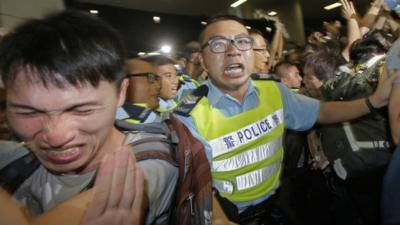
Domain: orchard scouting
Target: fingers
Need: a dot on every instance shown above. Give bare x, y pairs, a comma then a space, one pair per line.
139, 196
102, 189
129, 190
121, 159
353, 10
347, 8
119, 191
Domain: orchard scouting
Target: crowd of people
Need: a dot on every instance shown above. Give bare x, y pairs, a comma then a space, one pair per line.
233, 130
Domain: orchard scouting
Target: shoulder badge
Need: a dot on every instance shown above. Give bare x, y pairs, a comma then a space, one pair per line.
137, 112
190, 100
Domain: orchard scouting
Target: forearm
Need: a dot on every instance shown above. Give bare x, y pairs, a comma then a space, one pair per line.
393, 25
335, 112
380, 23
353, 30
369, 20
353, 34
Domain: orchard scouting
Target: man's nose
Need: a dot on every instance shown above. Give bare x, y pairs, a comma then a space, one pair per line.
232, 49
57, 131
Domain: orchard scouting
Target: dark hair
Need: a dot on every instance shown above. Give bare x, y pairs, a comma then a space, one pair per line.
254, 31
189, 49
375, 42
217, 18
324, 64
68, 47
159, 60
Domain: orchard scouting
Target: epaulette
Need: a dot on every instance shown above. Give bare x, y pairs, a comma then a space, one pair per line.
265, 76
189, 101
185, 78
137, 112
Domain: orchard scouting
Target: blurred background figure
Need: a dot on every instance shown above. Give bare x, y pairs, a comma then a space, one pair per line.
289, 75
189, 61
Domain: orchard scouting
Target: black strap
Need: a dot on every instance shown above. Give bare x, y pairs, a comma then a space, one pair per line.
186, 105
15, 173
265, 76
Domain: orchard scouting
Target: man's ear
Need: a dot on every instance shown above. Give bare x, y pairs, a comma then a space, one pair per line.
201, 59
122, 92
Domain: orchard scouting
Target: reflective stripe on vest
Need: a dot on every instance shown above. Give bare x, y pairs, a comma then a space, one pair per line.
246, 158
247, 180
357, 145
247, 147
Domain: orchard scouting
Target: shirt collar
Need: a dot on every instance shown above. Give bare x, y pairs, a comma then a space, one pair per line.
215, 95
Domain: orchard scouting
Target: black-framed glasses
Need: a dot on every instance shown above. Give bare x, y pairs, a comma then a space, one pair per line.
221, 44
151, 77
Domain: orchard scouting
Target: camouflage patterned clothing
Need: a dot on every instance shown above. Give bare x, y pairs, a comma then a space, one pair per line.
354, 81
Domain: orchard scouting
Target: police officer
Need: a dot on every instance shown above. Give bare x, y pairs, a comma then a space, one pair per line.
241, 122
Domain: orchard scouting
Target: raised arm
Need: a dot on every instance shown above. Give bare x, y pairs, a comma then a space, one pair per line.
353, 29
277, 43
369, 18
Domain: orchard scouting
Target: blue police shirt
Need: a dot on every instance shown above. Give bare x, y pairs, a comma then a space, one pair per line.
300, 113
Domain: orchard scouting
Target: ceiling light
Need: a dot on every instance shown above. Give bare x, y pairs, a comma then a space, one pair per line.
156, 19
237, 3
332, 6
248, 27
166, 49
93, 11
272, 13
141, 53
153, 53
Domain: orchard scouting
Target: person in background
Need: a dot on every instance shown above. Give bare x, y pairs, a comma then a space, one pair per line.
261, 52
390, 204
173, 88
189, 61
142, 95
289, 75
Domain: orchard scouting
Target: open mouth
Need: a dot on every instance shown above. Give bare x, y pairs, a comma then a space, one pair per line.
234, 70
174, 89
65, 155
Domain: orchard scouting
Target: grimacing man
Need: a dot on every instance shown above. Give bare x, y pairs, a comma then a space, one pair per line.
64, 77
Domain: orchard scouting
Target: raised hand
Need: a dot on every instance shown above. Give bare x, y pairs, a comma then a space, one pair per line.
348, 11
119, 190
